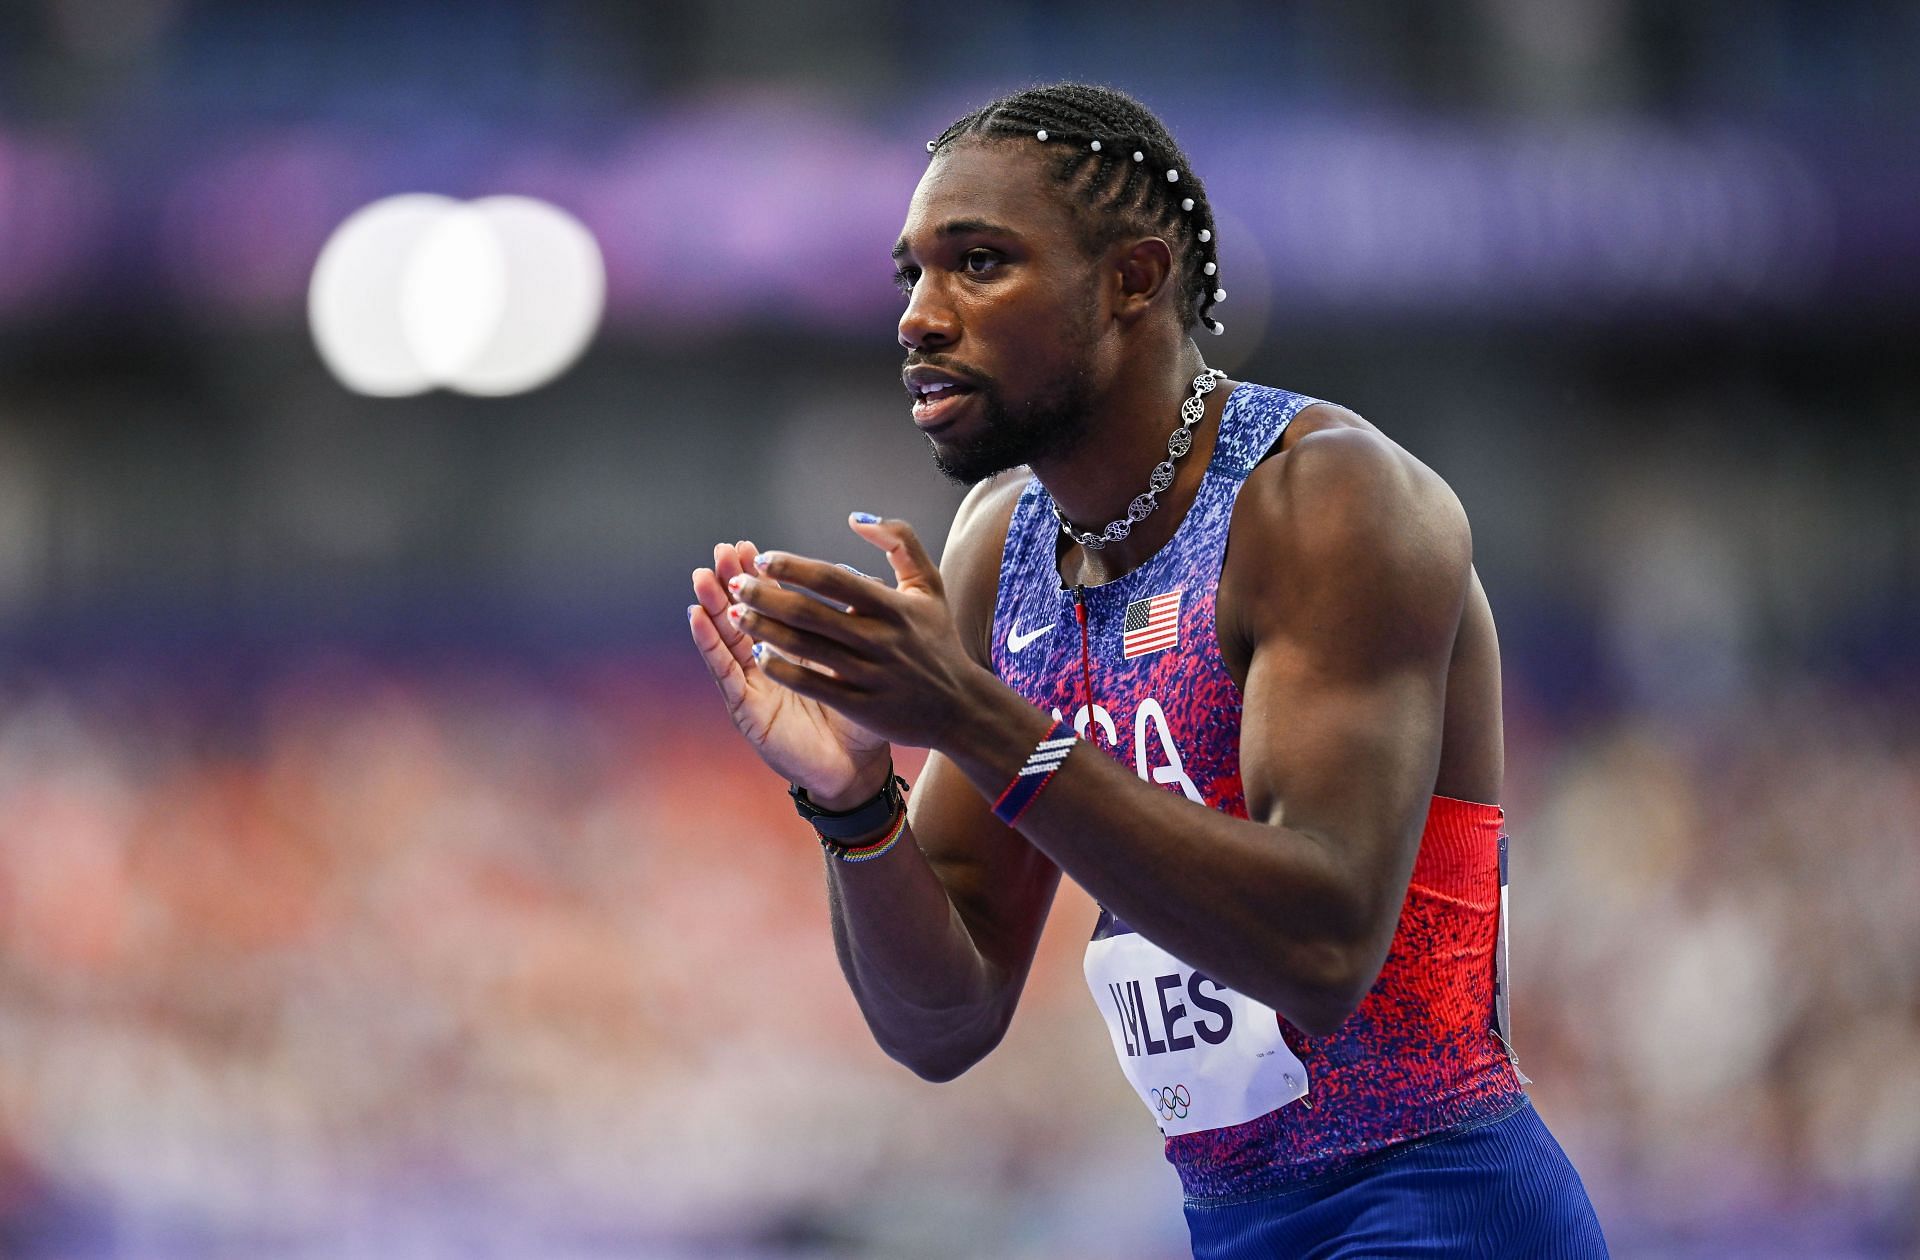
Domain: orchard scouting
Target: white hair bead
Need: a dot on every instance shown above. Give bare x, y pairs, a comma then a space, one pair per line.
1219, 295
1186, 203
1210, 268
1096, 146
1173, 177
1216, 327
1139, 156
929, 146
1205, 236
1040, 135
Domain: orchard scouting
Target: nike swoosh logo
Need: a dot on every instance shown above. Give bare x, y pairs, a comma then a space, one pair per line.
1017, 642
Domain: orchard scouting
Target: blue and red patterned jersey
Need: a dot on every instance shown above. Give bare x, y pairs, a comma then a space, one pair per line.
1421, 1053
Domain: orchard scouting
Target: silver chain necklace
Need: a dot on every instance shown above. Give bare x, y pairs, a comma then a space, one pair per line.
1178, 444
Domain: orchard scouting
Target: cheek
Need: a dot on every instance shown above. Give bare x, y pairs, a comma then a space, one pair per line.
1029, 318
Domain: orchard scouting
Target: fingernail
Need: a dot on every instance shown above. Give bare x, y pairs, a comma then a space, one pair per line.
764, 559
759, 651
735, 582
849, 568
735, 612
866, 518
691, 610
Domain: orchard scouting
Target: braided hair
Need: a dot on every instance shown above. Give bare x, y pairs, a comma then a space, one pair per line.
1129, 174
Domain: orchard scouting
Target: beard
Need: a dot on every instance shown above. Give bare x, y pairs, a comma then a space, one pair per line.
1052, 423
1046, 426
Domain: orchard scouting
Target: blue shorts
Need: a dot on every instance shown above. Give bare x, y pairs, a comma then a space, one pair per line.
1502, 1189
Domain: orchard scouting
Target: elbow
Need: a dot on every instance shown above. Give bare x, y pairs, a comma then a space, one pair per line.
939, 1069
1330, 986
1320, 1015
944, 1057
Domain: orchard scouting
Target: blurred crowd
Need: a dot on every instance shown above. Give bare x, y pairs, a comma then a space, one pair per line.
481, 957
463, 953
1717, 936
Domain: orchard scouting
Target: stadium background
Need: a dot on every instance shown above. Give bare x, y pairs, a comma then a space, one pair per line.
377, 873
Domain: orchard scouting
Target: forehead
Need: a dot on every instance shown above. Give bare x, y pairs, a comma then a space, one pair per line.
1005, 182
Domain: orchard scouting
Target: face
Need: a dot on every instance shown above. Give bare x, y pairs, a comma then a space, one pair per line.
1002, 321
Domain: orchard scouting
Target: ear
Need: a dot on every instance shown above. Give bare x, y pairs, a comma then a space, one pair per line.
1144, 269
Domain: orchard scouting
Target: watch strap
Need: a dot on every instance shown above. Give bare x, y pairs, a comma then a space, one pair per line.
871, 816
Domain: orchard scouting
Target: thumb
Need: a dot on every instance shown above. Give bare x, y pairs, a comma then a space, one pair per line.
912, 569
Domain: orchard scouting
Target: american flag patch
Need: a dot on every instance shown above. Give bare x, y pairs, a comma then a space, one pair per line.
1150, 625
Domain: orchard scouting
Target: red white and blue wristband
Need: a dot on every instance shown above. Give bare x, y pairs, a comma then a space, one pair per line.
1047, 757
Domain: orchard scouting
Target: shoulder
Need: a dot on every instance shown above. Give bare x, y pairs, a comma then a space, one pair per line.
970, 563
1338, 483
1343, 516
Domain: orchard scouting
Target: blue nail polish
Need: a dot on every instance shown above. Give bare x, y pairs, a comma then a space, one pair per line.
759, 651
691, 610
764, 559
866, 518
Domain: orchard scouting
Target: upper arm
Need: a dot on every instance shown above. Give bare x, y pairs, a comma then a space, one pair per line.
1350, 589
1000, 885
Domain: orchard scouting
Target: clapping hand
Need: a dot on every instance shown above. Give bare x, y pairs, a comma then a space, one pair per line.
837, 761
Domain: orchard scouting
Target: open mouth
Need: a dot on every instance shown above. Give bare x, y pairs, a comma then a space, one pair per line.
936, 402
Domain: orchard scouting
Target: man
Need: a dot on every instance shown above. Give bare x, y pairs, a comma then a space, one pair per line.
1275, 764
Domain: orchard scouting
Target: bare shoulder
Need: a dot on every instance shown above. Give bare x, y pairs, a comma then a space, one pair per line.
1344, 518
1339, 483
970, 564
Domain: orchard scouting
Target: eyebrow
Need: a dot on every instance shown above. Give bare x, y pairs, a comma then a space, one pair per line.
957, 227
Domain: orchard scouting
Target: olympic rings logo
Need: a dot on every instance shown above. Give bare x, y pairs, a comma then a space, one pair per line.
1171, 1102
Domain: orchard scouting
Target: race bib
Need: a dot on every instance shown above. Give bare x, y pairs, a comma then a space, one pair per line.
1200, 1055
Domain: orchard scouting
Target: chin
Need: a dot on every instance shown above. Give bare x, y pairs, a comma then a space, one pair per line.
1001, 438
965, 466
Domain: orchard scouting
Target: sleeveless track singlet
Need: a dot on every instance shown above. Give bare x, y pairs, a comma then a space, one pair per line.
1422, 1054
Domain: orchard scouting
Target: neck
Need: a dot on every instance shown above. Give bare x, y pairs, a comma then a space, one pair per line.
1094, 482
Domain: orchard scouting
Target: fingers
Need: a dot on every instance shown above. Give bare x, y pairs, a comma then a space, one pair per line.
794, 643
798, 678
837, 582
733, 559
727, 672
795, 608
913, 569
713, 600
709, 588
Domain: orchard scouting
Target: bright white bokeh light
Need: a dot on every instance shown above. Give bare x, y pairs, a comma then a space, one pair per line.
557, 284
453, 293
354, 301
492, 297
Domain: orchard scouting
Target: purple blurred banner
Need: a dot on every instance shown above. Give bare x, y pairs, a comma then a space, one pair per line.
726, 215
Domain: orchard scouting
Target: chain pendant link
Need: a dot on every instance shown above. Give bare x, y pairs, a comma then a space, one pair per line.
1179, 442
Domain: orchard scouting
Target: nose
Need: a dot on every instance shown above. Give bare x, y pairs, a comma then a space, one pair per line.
928, 322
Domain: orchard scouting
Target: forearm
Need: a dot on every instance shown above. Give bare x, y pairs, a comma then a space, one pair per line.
1264, 909
931, 999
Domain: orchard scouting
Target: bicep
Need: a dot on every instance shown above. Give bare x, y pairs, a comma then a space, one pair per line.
1344, 758
1345, 698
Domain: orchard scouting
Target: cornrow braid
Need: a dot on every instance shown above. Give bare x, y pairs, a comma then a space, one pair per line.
1130, 174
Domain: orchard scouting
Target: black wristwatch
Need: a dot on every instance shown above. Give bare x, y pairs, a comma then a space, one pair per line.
870, 816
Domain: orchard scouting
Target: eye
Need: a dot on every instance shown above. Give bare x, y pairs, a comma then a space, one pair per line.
977, 262
904, 278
